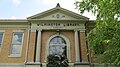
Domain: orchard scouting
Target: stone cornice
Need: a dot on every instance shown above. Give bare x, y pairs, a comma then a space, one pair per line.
13, 20
56, 20
38, 21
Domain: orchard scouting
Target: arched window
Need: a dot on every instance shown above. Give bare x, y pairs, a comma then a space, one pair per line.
57, 45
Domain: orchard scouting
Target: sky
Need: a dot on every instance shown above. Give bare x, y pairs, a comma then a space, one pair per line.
21, 9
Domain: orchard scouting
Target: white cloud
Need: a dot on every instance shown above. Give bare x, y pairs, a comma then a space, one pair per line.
68, 4
79, 0
12, 17
89, 15
16, 2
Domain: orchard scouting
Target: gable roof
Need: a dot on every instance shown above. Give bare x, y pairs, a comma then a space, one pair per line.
58, 9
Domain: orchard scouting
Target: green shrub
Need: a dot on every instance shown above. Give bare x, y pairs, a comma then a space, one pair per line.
57, 61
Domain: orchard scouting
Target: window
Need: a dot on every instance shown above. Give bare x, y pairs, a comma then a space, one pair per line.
57, 46
1, 38
16, 45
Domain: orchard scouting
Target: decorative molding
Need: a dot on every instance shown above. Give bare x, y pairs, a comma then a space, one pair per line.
39, 29
15, 26
13, 20
33, 30
58, 16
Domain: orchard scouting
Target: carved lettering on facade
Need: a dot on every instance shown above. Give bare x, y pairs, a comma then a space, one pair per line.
58, 24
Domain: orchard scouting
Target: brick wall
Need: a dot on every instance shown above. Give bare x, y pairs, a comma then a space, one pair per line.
84, 56
4, 57
31, 47
47, 34
7, 39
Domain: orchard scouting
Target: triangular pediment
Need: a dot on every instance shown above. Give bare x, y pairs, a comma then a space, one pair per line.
58, 13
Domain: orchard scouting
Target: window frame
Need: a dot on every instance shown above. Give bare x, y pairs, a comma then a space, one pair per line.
67, 43
10, 51
55, 45
2, 31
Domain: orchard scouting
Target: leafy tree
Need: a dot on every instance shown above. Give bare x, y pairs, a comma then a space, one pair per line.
57, 61
104, 39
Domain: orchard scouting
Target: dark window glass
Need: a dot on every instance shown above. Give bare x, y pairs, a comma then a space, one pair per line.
1, 37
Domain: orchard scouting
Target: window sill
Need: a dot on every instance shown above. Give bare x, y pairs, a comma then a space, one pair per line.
15, 55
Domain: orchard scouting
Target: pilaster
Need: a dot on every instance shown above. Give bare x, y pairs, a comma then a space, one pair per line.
77, 47
38, 48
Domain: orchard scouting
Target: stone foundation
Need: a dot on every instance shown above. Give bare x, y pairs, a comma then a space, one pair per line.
82, 65
33, 65
44, 65
11, 65
103, 65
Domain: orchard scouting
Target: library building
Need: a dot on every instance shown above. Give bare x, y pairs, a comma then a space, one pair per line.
57, 31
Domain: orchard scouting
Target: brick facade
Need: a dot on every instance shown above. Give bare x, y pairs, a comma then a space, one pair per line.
47, 34
31, 47
83, 47
47, 25
6, 44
